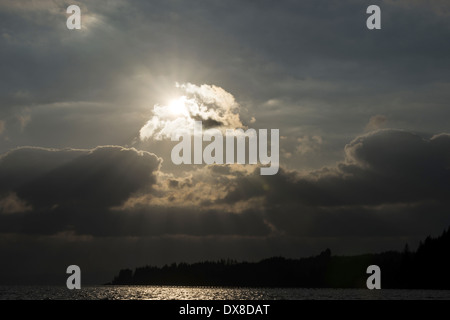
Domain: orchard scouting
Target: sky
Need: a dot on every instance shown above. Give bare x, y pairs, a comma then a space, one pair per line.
86, 119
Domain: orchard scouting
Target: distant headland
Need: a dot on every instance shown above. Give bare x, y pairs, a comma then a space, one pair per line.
426, 268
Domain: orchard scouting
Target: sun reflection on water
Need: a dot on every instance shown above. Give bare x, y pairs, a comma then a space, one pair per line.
210, 293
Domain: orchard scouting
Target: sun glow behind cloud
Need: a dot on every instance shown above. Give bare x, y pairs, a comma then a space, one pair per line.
178, 107
210, 104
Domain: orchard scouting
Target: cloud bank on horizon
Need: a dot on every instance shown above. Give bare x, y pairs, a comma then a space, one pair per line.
390, 182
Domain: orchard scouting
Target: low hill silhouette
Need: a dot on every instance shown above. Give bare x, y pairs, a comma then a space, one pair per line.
426, 268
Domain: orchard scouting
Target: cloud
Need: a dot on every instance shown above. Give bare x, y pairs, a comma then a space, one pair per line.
2, 126
12, 204
111, 191
207, 103
35, 12
101, 177
202, 188
390, 181
307, 144
375, 123
24, 118
70, 187
386, 166
316, 84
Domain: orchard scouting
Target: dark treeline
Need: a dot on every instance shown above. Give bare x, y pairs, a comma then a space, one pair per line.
426, 268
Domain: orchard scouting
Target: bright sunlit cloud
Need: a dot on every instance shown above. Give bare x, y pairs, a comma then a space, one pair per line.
210, 104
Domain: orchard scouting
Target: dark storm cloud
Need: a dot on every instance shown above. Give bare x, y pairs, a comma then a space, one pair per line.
391, 181
388, 166
61, 186
102, 177
82, 191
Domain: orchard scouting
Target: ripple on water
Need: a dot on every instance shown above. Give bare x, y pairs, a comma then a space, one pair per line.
209, 293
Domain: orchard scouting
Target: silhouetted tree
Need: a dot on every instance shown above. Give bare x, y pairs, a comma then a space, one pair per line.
426, 268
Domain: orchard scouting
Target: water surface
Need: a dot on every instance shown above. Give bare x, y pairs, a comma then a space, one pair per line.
212, 293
